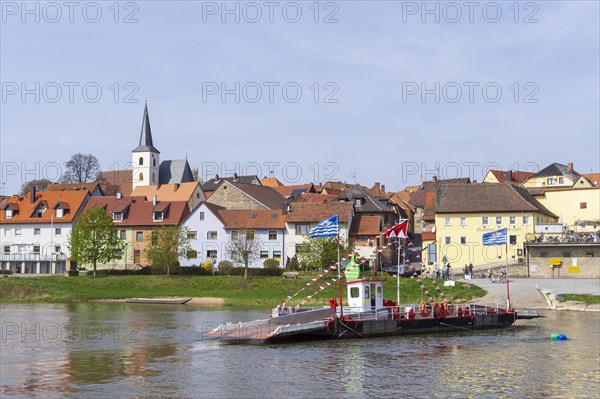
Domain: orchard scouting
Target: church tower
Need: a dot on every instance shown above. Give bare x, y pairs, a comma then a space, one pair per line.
145, 157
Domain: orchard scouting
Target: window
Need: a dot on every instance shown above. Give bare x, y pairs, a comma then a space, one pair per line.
463, 240
276, 254
192, 254
561, 180
17, 231
448, 240
139, 236
192, 235
211, 253
6, 232
58, 231
141, 161
154, 237
264, 254
201, 215
9, 213
59, 212
40, 212
298, 248
249, 234
582, 205
463, 221
36, 231
157, 216
253, 216
432, 253
354, 292
550, 180
358, 202
153, 177
512, 220
117, 216
212, 235
512, 240
7, 249
272, 234
123, 234
498, 219
36, 249
235, 234
448, 222
57, 249
484, 220
525, 220
566, 254
302, 229
141, 177
153, 161
589, 254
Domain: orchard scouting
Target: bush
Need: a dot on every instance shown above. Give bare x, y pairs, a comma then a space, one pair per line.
7, 272
254, 272
146, 270
207, 265
225, 266
183, 271
293, 264
271, 263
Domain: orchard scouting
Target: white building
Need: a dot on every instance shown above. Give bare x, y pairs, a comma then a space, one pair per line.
35, 231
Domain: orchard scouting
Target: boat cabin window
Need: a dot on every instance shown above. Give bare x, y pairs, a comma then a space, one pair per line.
367, 292
354, 292
378, 290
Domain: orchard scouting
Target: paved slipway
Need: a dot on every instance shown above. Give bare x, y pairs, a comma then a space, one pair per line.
531, 293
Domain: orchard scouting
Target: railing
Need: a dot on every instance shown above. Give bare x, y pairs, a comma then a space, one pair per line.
29, 257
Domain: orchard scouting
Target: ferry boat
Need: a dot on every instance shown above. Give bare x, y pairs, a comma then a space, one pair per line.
368, 315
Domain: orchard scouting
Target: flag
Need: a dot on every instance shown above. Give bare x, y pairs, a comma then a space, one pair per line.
497, 237
326, 228
398, 230
352, 270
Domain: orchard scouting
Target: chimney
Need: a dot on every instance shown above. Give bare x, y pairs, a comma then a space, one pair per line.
154, 200
235, 177
119, 196
377, 186
510, 175
32, 194
434, 178
383, 188
570, 166
216, 178
175, 186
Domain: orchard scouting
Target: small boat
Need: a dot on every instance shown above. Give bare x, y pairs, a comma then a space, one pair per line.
163, 301
366, 316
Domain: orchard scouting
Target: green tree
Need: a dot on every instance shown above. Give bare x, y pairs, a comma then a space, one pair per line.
166, 245
318, 253
94, 239
243, 247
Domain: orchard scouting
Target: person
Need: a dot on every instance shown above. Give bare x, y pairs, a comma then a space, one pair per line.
471, 269
436, 267
490, 274
503, 272
445, 271
448, 272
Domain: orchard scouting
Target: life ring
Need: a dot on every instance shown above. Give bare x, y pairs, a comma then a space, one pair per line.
425, 309
449, 307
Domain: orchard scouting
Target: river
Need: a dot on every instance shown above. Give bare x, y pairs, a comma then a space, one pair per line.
116, 350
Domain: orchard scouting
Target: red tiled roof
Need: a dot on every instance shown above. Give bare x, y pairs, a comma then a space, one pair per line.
270, 182
311, 197
116, 181
365, 226
167, 192
288, 191
515, 177
26, 209
317, 211
594, 178
427, 236
72, 187
253, 219
139, 212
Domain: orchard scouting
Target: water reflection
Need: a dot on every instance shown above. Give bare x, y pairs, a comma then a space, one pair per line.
122, 350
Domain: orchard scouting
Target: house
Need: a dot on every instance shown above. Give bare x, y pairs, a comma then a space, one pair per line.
311, 197
295, 190
556, 175
116, 181
302, 216
210, 186
35, 230
93, 188
212, 227
515, 177
242, 196
364, 234
271, 182
464, 212
135, 219
190, 192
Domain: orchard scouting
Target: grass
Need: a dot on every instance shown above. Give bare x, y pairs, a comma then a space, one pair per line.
256, 292
585, 298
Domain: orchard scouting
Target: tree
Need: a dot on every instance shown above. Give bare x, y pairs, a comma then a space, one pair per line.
166, 245
94, 239
81, 168
243, 247
317, 253
39, 184
196, 174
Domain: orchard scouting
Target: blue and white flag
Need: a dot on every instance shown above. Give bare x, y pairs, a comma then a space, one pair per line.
326, 228
497, 237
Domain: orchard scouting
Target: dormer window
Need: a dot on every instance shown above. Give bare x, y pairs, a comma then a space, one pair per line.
9, 213
358, 202
117, 216
157, 216
39, 211
59, 212
550, 180
253, 216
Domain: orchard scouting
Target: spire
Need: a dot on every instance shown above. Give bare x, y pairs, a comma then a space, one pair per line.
146, 135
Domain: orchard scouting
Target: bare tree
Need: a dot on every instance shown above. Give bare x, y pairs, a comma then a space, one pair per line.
243, 247
81, 168
39, 184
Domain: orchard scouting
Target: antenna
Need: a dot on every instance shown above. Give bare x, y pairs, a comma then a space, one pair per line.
354, 174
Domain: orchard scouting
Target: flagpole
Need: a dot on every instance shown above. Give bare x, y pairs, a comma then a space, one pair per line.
398, 279
507, 286
339, 267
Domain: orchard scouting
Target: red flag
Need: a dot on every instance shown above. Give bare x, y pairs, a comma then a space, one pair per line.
398, 230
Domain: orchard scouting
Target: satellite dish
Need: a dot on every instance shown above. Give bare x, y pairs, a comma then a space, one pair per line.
433, 229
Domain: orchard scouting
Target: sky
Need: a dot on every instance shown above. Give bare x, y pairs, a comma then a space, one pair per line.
369, 91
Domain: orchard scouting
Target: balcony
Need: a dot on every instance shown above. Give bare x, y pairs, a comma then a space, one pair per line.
32, 257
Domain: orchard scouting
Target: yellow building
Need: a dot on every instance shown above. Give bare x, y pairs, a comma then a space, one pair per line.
463, 213
578, 209
558, 175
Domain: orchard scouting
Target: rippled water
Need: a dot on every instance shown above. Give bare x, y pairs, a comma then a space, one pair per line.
107, 350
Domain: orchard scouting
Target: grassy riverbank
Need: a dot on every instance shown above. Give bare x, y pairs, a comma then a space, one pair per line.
237, 292
585, 298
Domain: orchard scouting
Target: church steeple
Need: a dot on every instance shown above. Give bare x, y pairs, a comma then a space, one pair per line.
146, 135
